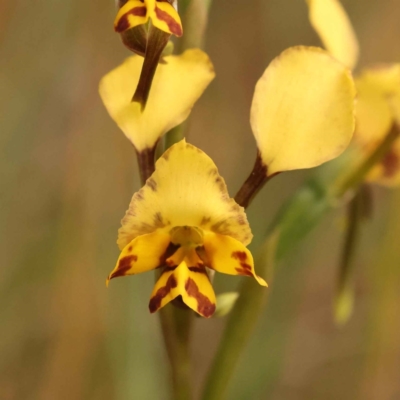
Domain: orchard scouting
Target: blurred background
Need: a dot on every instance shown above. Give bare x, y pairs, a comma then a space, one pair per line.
68, 173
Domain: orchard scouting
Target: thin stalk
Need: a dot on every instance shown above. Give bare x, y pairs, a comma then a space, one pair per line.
146, 163
194, 21
176, 328
253, 184
344, 288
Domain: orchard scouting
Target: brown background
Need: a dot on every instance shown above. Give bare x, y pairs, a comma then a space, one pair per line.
67, 175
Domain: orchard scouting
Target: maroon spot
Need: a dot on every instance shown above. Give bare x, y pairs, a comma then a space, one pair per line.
124, 266
152, 184
173, 26
204, 305
169, 268
245, 269
123, 23
391, 164
170, 251
242, 271
199, 269
205, 220
155, 301
158, 220
127, 261
239, 255
130, 248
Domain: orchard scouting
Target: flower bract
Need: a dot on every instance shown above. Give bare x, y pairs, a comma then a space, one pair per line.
183, 222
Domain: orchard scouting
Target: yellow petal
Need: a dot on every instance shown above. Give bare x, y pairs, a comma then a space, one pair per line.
228, 256
192, 283
302, 111
166, 289
330, 21
167, 19
385, 77
131, 14
142, 254
184, 190
374, 116
177, 85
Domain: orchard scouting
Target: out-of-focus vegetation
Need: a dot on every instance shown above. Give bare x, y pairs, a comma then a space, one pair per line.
67, 174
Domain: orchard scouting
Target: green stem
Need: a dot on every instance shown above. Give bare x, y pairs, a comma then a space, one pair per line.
194, 21
176, 327
240, 325
344, 289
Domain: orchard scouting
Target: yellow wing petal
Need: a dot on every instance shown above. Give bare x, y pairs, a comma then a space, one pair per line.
228, 256
303, 110
330, 21
184, 190
177, 85
167, 19
142, 254
132, 14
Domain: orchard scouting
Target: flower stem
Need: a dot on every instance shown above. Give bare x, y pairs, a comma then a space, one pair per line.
253, 184
176, 327
357, 210
146, 163
194, 21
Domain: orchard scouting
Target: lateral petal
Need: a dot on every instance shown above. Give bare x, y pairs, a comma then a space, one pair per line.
132, 14
228, 256
142, 254
167, 19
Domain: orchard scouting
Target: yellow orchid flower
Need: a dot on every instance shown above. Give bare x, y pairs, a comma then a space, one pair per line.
184, 222
302, 115
178, 83
378, 88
